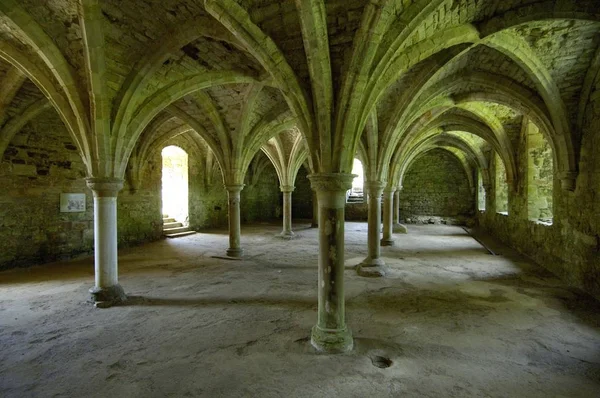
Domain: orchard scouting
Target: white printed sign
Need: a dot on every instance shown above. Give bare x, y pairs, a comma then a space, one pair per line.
72, 202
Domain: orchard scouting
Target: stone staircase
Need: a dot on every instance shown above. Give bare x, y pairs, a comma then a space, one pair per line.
353, 198
174, 229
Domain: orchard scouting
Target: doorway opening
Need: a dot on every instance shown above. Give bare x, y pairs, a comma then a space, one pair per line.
356, 193
175, 184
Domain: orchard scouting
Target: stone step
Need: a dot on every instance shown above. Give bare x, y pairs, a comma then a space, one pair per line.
175, 230
167, 225
179, 234
170, 219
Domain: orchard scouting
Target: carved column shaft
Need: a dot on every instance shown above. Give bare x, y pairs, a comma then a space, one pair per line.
233, 195
287, 211
397, 227
372, 266
330, 334
315, 204
388, 204
397, 207
106, 290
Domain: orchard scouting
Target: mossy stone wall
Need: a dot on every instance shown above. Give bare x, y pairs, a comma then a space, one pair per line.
436, 184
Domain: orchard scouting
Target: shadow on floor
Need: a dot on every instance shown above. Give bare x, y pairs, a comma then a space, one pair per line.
274, 301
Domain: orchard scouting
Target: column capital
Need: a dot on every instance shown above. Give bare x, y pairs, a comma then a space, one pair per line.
331, 182
390, 189
375, 186
234, 187
104, 186
568, 180
287, 188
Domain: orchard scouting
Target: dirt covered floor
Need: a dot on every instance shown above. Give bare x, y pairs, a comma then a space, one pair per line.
450, 320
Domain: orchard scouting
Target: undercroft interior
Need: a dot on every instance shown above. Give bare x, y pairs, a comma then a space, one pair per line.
449, 320
300, 198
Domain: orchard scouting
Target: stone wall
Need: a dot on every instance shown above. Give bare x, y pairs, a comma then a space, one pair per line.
139, 216
262, 201
302, 196
41, 162
570, 247
207, 196
357, 211
436, 184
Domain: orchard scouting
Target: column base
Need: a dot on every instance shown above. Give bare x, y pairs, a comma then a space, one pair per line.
235, 252
371, 268
104, 297
331, 341
386, 242
400, 229
287, 235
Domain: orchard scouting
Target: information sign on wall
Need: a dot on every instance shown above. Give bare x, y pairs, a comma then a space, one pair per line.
72, 202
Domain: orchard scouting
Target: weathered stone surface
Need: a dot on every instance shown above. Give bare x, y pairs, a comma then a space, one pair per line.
436, 185
34, 232
568, 247
32, 228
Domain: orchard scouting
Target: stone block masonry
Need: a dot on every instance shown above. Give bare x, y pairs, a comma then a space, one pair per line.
570, 247
39, 165
42, 162
436, 185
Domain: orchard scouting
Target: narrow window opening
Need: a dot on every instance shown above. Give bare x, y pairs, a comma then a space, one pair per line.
356, 193
540, 170
480, 192
175, 184
501, 187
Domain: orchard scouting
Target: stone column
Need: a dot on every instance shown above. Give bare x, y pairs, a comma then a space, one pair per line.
106, 291
568, 180
373, 265
397, 207
287, 232
315, 204
233, 194
388, 210
397, 227
330, 334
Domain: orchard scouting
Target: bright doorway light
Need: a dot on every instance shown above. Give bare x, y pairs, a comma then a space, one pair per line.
356, 194
175, 183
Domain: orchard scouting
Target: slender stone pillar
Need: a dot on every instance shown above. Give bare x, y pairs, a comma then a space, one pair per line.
397, 207
287, 232
330, 334
233, 193
106, 291
315, 204
568, 180
373, 265
398, 228
388, 205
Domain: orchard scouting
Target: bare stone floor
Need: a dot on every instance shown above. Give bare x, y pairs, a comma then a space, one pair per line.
453, 320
